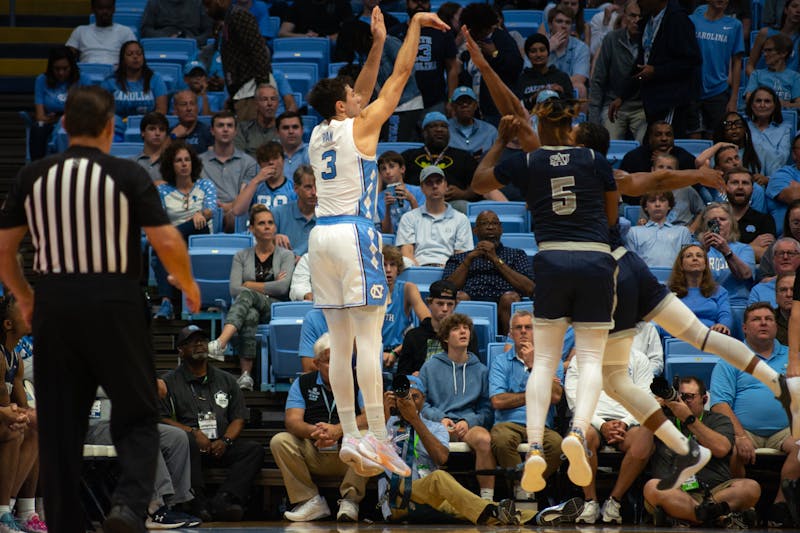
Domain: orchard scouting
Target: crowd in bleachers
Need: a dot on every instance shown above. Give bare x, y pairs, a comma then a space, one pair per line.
211, 101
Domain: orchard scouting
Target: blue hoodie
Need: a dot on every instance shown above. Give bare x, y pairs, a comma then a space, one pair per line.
456, 391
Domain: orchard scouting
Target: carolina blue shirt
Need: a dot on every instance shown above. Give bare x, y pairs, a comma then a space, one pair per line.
772, 145
280, 195
786, 83
738, 289
135, 101
657, 245
719, 40
314, 325
509, 374
395, 321
420, 459
397, 211
763, 292
54, 98
716, 309
793, 61
751, 401
292, 223
476, 138
291, 163
778, 181
575, 59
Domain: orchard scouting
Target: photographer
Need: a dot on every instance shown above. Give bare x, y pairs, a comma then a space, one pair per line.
711, 496
424, 447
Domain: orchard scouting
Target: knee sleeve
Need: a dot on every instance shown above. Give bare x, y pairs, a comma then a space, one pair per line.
341, 367
549, 340
618, 384
589, 347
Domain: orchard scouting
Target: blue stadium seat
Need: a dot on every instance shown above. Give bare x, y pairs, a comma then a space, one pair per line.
223, 240
269, 27
169, 49
422, 276
661, 273
387, 238
683, 359
333, 68
302, 76
526, 305
211, 268
494, 349
524, 21
524, 241
133, 131
172, 74
514, 216
398, 147
617, 150
309, 123
632, 213
284, 339
302, 49
589, 12
694, 146
96, 72
484, 318
737, 330
126, 149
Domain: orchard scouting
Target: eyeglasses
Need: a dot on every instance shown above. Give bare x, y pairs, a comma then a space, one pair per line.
786, 253
688, 396
732, 124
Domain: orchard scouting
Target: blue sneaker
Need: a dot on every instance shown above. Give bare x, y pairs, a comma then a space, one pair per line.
165, 311
8, 524
165, 518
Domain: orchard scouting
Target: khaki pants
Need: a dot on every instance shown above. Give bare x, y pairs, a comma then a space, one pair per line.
299, 458
506, 436
245, 109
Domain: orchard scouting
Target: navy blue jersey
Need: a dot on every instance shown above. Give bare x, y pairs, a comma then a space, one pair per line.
565, 191
639, 293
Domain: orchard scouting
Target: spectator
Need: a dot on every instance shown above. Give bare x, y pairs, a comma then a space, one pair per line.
660, 138
100, 42
541, 75
732, 263
136, 88
365, 15
398, 197
245, 58
497, 47
508, 379
758, 420
784, 186
611, 74
190, 130
787, 23
657, 242
688, 204
260, 12
786, 260
294, 220
604, 22
49, 96
458, 165
771, 136
436, 70
464, 410
491, 272
784, 287
431, 233
733, 130
612, 425
259, 276
253, 133
308, 446
727, 498
300, 289
691, 281
206, 403
176, 18
195, 76
469, 134
726, 156
270, 186
226, 166
721, 43
791, 228
189, 201
737, 9
450, 13
431, 486
422, 342
153, 129
578, 27
290, 135
785, 82
567, 53
648, 342
314, 326
755, 228
309, 19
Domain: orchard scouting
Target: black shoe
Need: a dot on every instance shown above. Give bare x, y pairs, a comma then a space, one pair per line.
563, 513
708, 511
196, 507
225, 509
685, 466
791, 492
660, 518
506, 513
779, 515
122, 519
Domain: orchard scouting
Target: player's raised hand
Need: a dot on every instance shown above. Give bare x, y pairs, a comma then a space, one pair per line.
431, 20
710, 178
377, 25
508, 128
475, 53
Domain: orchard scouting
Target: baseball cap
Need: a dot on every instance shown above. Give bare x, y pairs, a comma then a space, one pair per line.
187, 333
443, 289
192, 65
415, 383
463, 91
429, 171
546, 95
433, 116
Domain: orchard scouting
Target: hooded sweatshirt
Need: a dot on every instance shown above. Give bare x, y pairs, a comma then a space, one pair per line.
459, 391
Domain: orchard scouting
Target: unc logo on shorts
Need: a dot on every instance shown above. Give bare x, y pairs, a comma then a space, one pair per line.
376, 291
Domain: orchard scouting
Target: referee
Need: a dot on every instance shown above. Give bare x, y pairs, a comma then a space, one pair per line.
85, 210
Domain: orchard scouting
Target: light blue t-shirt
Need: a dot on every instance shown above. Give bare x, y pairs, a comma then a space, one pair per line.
575, 59
395, 320
291, 222
738, 289
54, 98
398, 211
716, 309
763, 292
781, 179
292, 162
283, 194
719, 40
786, 83
656, 244
773, 146
314, 325
135, 101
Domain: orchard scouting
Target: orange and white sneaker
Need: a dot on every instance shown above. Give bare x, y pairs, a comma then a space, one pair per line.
574, 447
383, 452
350, 455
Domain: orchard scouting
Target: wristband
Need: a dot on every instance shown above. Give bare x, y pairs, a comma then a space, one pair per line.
728, 255
227, 441
691, 419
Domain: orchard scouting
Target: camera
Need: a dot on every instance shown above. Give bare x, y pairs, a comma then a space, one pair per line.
713, 226
401, 388
662, 388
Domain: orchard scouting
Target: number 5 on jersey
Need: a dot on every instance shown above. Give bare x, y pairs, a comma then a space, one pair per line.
564, 200
329, 158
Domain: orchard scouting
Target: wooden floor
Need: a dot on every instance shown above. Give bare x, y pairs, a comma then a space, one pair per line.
333, 527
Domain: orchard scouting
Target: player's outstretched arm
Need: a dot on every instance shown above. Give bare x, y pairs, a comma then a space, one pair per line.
484, 180
11, 274
365, 83
640, 183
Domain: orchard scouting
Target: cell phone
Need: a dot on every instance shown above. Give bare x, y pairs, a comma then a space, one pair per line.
713, 226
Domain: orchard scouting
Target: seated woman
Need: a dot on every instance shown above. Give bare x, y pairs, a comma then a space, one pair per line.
259, 276
771, 136
692, 282
785, 81
732, 263
189, 202
789, 27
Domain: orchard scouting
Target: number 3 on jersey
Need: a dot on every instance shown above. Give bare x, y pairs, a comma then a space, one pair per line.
564, 200
329, 158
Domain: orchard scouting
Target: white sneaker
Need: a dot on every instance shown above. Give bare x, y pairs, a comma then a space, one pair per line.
535, 465
590, 513
574, 447
245, 382
611, 511
350, 456
312, 509
215, 352
348, 511
383, 452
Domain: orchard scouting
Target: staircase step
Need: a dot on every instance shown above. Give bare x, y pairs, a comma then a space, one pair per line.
53, 35
20, 68
48, 7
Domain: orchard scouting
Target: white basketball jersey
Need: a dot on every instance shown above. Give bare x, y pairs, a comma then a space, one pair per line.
347, 181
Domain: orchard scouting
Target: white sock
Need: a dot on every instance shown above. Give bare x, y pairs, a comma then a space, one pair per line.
766, 375
26, 507
4, 509
487, 494
548, 337
589, 347
154, 505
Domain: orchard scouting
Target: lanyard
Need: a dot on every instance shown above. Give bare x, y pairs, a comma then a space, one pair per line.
196, 396
329, 406
438, 157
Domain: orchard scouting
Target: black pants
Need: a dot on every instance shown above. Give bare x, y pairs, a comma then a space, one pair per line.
90, 331
244, 459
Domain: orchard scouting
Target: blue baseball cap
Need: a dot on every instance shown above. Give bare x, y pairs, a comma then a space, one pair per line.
429, 171
433, 116
415, 383
546, 95
192, 65
463, 91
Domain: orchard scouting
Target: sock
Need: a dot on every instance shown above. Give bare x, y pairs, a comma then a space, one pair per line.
4, 509
154, 506
673, 438
26, 507
487, 494
589, 347
549, 340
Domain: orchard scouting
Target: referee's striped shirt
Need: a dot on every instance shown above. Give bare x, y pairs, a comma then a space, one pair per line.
85, 210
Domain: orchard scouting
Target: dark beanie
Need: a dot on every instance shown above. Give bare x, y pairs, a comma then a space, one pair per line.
537, 38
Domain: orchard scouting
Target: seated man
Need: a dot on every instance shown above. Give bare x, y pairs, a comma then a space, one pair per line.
100, 42
314, 326
253, 133
569, 54
295, 220
309, 445
731, 500
657, 242
422, 342
784, 290
188, 19
758, 421
290, 135
153, 128
189, 129
467, 132
463, 409
207, 403
431, 487
755, 228
270, 187
491, 272
431, 233
195, 76
508, 379
785, 260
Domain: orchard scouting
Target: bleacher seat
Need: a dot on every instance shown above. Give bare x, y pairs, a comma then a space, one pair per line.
617, 150
269, 27
632, 212
387, 238
96, 72
133, 131
683, 359
172, 74
422, 277
524, 21
661, 273
302, 76
222, 240
398, 147
737, 311
302, 49
211, 267
514, 216
169, 49
494, 349
333, 68
694, 146
309, 123
126, 149
524, 241
284, 338
484, 319
525, 305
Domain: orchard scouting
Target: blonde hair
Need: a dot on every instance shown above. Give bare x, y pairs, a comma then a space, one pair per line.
555, 119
